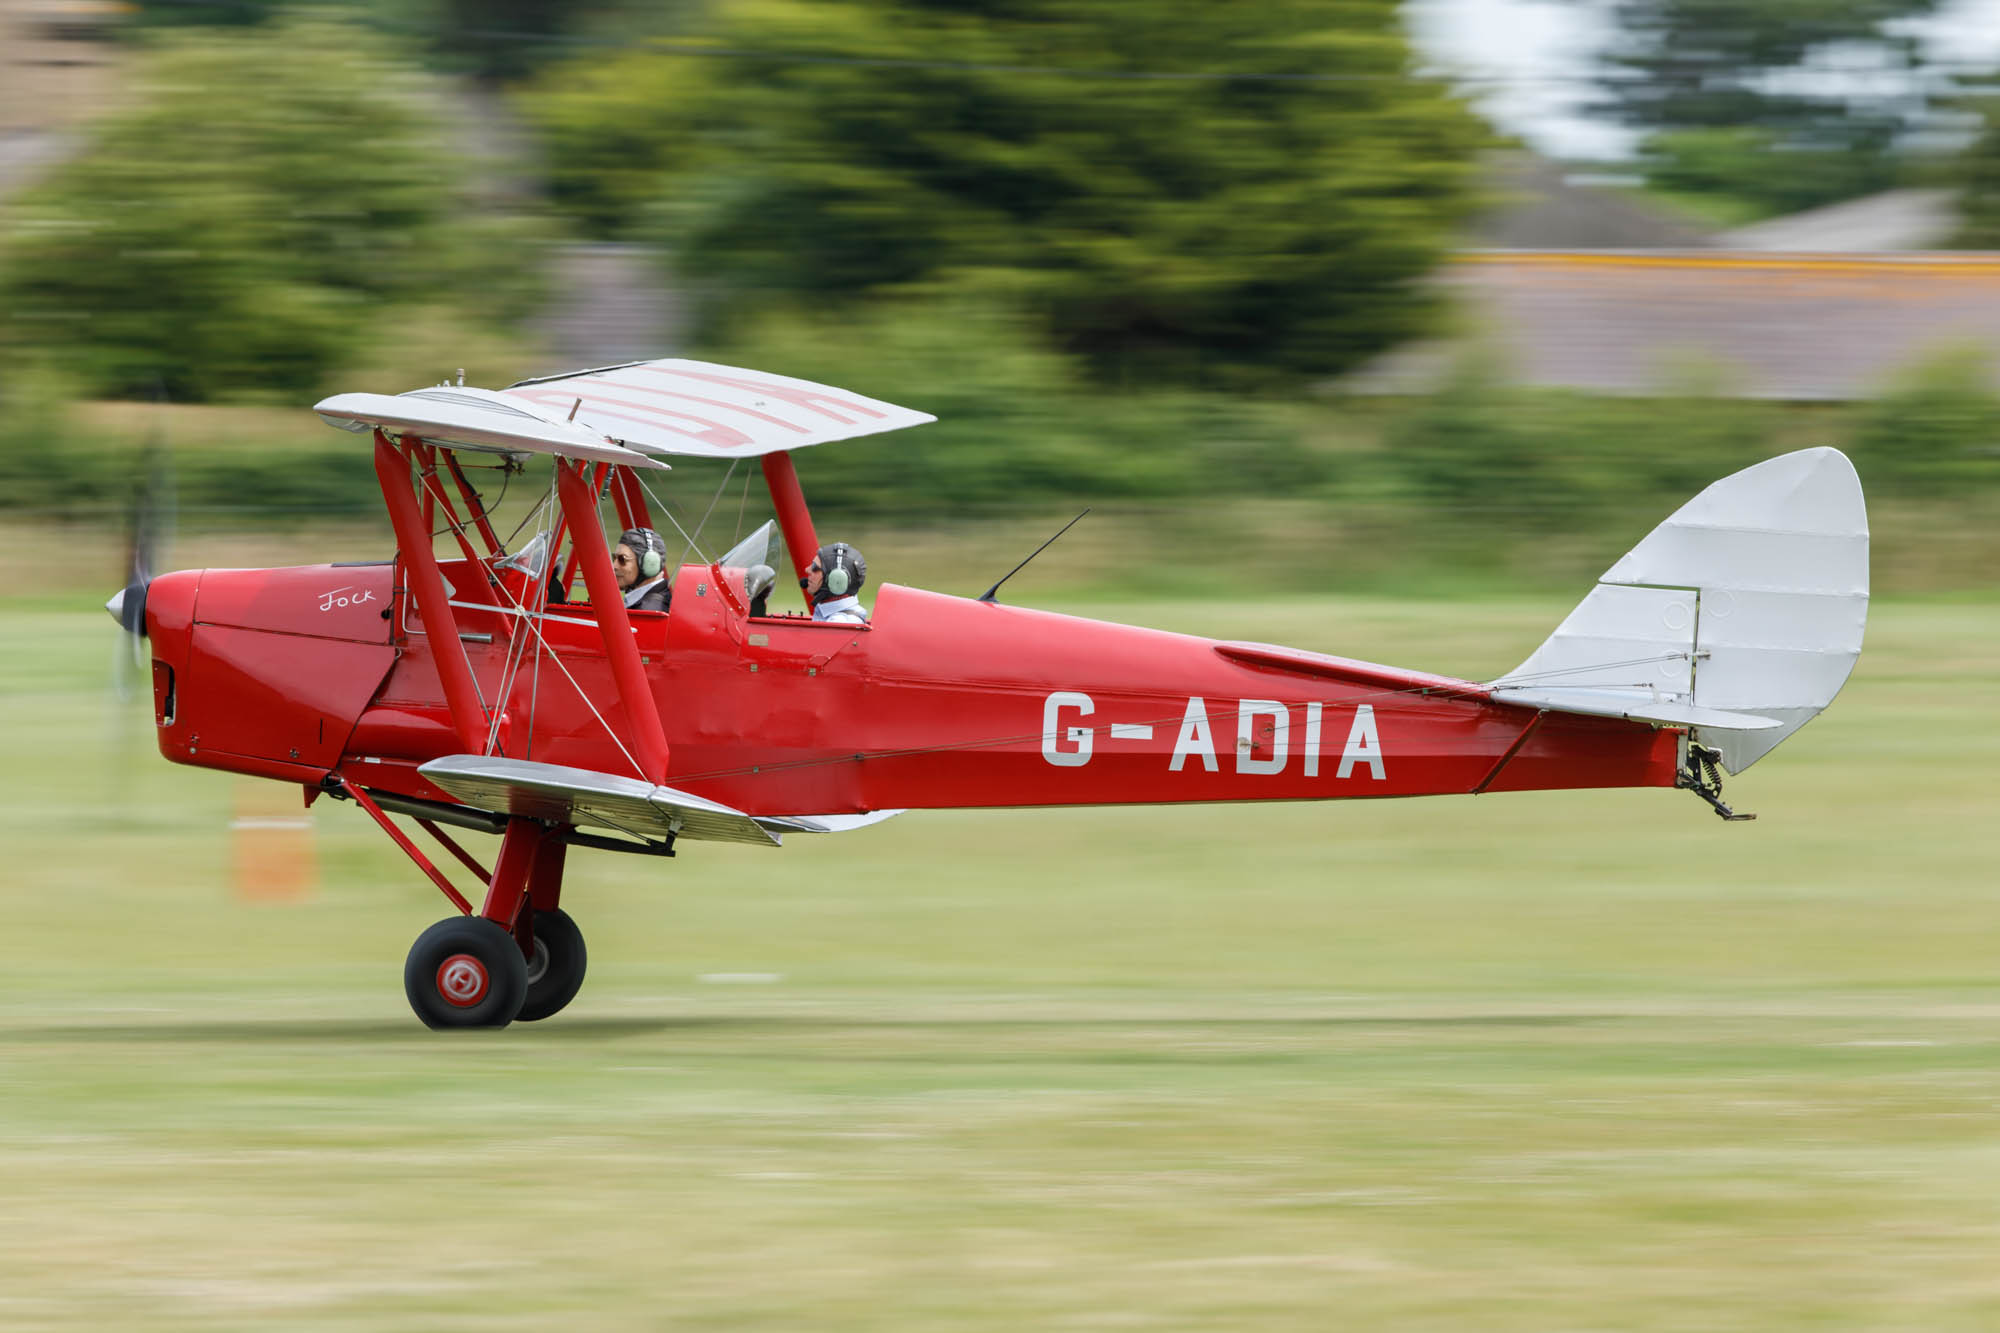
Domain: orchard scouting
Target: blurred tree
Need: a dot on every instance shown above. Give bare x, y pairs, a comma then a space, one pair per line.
612, 128
1935, 431
1975, 173
1016, 424
274, 194
1782, 104
500, 39
1209, 193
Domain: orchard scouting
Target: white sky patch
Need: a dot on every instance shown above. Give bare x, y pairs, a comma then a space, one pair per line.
1528, 64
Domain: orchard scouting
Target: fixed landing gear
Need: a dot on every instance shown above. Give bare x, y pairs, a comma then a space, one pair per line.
1702, 775
518, 956
555, 970
466, 972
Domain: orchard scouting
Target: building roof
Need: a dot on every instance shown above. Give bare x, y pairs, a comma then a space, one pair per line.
1784, 326
1895, 220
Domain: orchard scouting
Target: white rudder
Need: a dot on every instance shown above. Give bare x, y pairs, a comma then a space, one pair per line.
1741, 615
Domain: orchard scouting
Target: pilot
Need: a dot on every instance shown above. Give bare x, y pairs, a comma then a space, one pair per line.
639, 563
832, 579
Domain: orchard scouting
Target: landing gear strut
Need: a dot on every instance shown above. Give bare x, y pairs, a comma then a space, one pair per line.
1703, 777
518, 956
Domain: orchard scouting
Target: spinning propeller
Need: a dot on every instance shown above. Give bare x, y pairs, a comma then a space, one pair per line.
148, 524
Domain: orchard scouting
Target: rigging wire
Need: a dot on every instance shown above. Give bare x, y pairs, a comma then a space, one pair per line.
529, 618
546, 497
457, 527
712, 500
517, 650
741, 505
671, 519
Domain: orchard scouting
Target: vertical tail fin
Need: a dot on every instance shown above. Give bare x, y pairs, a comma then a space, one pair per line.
1751, 599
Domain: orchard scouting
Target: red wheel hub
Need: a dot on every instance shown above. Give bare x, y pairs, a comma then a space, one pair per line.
462, 980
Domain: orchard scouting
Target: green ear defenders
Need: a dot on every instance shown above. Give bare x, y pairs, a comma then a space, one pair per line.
842, 571
648, 546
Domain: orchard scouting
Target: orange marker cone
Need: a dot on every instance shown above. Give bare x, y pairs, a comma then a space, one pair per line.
271, 844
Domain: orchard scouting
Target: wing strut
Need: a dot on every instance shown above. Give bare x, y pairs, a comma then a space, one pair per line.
392, 469
426, 457
579, 502
633, 512
475, 504
790, 502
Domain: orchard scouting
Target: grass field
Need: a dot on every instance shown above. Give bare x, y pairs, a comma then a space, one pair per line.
1530, 1062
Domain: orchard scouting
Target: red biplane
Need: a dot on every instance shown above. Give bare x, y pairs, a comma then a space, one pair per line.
487, 691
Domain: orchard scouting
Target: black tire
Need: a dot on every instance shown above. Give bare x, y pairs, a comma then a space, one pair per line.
555, 973
466, 972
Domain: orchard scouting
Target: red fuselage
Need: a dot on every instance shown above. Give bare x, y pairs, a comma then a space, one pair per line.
296, 674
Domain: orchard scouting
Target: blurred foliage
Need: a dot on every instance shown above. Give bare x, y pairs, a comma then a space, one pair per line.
1975, 174
612, 128
1936, 431
1083, 160
1495, 459
502, 41
1731, 105
1752, 167
1017, 426
236, 233
496, 39
1482, 485
491, 40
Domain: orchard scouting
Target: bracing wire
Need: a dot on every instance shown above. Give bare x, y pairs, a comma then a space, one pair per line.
741, 505
671, 519
528, 618
712, 500
1512, 678
547, 496
517, 653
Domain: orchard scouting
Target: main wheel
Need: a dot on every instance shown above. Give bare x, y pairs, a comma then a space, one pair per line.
556, 970
466, 972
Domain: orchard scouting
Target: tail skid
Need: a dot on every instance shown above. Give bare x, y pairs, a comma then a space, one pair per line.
1740, 617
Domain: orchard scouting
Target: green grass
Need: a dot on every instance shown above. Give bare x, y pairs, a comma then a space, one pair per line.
1527, 1062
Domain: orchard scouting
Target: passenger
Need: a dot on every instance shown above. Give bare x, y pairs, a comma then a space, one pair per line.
639, 564
831, 582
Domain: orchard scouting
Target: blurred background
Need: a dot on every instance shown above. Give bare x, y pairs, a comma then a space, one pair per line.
1376, 329
1458, 294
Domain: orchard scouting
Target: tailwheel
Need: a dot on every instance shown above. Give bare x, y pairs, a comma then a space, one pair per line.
466, 972
555, 972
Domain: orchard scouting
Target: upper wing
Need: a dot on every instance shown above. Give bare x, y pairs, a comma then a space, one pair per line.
704, 410
474, 419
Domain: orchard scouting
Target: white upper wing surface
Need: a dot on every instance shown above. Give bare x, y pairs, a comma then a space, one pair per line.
702, 410
473, 419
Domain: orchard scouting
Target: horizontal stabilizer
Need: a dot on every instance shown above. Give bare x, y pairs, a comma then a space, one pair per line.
474, 419
1614, 703
585, 796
